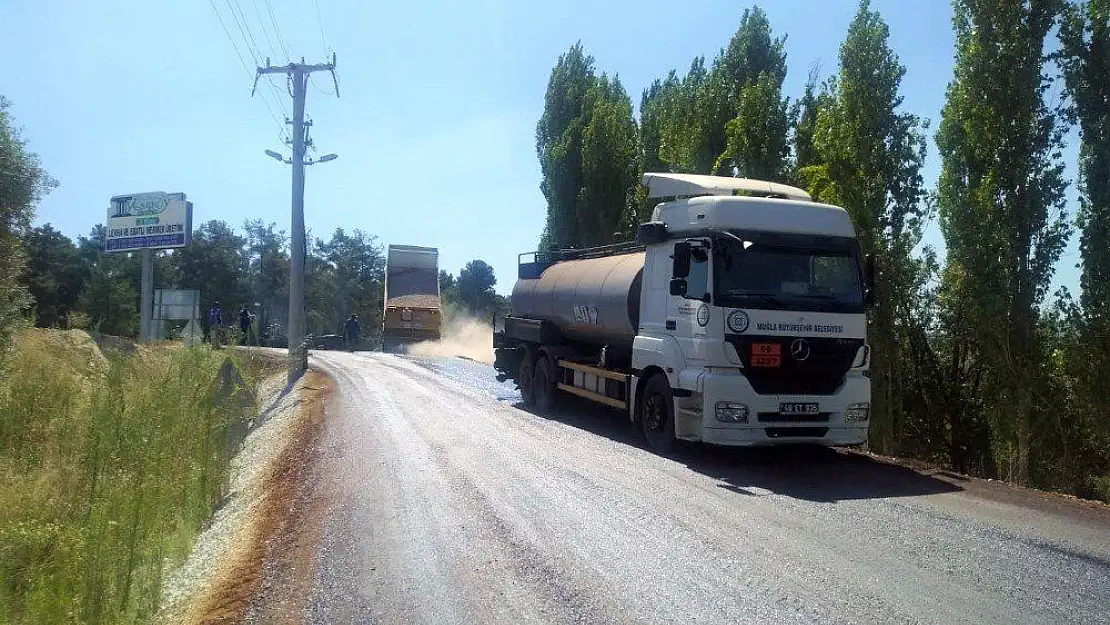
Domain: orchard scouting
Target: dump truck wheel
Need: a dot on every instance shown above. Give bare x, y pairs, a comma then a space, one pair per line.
657, 414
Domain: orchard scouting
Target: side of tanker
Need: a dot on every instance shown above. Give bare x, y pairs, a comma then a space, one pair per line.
732, 319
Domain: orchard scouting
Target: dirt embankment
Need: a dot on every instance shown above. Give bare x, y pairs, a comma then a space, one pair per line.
255, 563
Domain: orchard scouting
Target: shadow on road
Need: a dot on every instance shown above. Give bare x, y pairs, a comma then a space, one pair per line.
804, 472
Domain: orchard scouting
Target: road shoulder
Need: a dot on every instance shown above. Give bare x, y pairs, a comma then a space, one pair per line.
243, 567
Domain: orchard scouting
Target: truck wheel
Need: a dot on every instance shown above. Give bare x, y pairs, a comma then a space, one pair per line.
657, 414
543, 385
524, 380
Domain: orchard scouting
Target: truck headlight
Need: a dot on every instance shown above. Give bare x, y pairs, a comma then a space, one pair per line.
857, 412
730, 412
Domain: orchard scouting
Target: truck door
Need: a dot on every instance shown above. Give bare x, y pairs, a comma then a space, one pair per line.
688, 316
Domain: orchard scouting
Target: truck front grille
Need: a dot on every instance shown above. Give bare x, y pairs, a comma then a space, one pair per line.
821, 373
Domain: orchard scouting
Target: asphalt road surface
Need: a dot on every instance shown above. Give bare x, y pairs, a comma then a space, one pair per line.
450, 504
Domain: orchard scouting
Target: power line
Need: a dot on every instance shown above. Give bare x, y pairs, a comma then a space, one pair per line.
246, 40
243, 62
320, 22
265, 31
252, 47
317, 87
245, 29
277, 29
244, 26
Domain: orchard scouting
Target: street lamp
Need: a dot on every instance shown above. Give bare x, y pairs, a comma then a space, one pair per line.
323, 159
278, 157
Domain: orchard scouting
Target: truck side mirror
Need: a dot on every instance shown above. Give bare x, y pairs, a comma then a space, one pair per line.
678, 287
651, 232
681, 267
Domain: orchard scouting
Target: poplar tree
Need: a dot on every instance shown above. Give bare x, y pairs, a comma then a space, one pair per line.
1001, 200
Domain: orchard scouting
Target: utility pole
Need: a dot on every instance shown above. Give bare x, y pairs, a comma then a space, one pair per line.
298, 75
146, 295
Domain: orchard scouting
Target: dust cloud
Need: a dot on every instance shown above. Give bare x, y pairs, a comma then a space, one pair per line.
463, 337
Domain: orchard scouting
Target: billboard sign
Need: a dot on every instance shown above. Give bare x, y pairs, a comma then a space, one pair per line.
148, 220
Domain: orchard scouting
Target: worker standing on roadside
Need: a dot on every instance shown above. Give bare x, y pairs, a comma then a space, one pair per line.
245, 318
215, 323
352, 328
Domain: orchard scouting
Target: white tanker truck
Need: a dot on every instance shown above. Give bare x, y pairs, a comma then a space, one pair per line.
732, 319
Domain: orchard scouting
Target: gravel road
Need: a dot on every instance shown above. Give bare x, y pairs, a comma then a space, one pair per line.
450, 504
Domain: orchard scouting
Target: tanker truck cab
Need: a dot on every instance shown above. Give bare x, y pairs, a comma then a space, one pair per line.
732, 320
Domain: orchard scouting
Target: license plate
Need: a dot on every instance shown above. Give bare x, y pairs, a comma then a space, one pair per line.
798, 408
766, 354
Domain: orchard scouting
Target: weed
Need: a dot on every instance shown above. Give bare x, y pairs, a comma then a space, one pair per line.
108, 470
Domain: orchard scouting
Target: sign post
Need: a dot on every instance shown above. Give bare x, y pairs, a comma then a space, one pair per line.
144, 222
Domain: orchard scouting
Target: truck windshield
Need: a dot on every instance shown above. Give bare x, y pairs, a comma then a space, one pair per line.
754, 274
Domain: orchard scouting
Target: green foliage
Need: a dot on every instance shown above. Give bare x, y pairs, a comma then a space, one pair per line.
1085, 61
474, 287
111, 296
108, 470
610, 170
687, 108
214, 265
472, 294
267, 268
688, 121
757, 146
54, 275
345, 277
1001, 197
22, 184
586, 141
804, 115
866, 156
654, 106
559, 143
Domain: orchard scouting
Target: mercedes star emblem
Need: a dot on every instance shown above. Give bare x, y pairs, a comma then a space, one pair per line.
799, 349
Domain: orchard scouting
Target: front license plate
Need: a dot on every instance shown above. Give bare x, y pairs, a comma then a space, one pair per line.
798, 408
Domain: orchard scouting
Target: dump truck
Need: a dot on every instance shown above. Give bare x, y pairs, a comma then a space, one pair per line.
737, 317
412, 306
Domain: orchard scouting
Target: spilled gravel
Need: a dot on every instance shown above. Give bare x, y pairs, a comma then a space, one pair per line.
234, 561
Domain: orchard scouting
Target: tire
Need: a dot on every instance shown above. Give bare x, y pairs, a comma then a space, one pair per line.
543, 385
656, 415
524, 380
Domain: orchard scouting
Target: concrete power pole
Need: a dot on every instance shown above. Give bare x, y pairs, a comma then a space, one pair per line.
298, 75
146, 295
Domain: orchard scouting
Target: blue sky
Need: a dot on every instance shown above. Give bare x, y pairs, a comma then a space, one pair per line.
435, 126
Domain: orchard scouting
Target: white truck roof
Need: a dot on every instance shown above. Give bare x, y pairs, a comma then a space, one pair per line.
691, 185
754, 213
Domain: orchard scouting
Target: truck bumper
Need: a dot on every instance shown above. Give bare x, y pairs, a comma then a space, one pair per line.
766, 427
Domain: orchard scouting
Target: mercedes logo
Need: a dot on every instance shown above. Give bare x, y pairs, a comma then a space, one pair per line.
799, 349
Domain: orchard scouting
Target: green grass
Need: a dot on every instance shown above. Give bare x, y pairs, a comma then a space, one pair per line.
108, 470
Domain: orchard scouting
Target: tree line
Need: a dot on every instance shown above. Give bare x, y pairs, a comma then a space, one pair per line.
76, 284
976, 365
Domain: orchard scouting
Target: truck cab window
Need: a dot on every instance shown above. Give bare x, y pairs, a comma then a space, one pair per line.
698, 280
